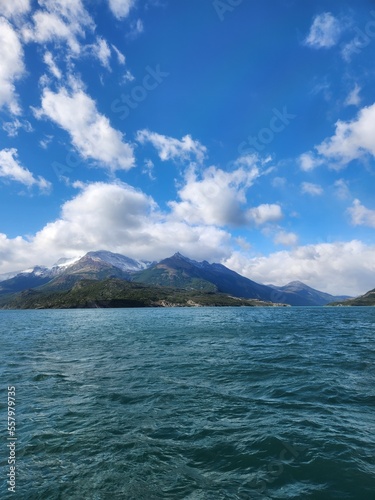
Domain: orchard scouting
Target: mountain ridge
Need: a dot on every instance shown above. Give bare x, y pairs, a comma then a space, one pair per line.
177, 272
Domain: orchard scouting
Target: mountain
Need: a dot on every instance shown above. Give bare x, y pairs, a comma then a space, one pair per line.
92, 267
8, 276
368, 299
66, 272
120, 261
117, 293
179, 271
299, 294
30, 278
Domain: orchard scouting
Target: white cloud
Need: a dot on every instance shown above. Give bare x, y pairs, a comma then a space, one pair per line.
12, 128
342, 189
363, 39
148, 169
170, 148
118, 218
217, 197
11, 67
352, 140
264, 214
354, 98
286, 239
324, 32
127, 77
360, 215
44, 143
310, 188
102, 52
12, 170
91, 132
121, 8
136, 28
61, 20
350, 48
309, 161
14, 8
48, 60
120, 56
338, 268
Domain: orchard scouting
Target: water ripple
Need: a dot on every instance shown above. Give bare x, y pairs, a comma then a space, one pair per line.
192, 404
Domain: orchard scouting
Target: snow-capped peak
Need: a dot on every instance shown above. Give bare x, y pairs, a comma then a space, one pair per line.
66, 262
119, 261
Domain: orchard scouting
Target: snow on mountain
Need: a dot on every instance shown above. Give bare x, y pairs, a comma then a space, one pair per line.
119, 261
62, 265
35, 271
66, 262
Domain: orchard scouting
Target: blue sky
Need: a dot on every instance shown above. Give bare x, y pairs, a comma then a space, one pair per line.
231, 131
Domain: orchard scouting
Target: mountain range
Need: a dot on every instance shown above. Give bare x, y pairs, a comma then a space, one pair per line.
99, 272
368, 299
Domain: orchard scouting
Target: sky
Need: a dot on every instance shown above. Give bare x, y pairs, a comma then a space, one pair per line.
230, 131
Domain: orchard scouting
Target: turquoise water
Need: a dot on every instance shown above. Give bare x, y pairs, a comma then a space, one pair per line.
229, 403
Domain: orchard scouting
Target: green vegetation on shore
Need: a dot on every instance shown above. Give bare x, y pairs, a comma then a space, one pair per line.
118, 293
368, 299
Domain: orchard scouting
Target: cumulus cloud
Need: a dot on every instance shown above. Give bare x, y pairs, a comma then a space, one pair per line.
11, 169
338, 268
310, 188
115, 217
217, 197
264, 214
119, 218
352, 140
324, 32
286, 239
91, 132
360, 215
121, 8
11, 67
170, 148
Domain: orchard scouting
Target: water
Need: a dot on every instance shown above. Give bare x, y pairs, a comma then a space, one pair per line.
229, 403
